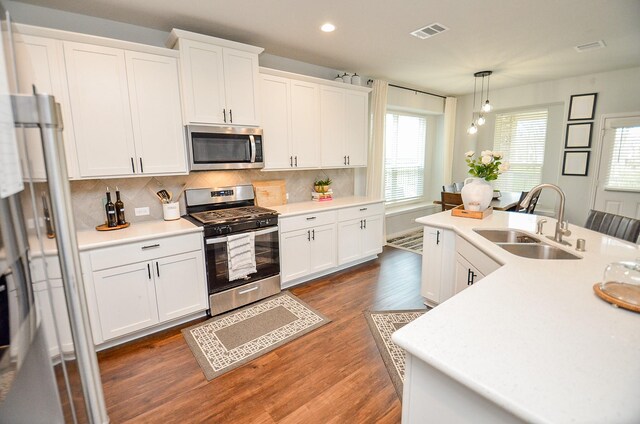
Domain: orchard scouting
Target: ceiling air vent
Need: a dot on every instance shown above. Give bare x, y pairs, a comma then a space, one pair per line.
590, 46
429, 31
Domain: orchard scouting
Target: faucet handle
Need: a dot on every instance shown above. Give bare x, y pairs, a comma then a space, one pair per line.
565, 228
540, 224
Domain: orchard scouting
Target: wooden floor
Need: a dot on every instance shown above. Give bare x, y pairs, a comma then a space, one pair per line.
333, 375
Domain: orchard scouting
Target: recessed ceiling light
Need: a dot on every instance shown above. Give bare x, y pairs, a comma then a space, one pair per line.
328, 27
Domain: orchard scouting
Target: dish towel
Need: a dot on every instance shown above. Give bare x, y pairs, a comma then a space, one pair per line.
241, 252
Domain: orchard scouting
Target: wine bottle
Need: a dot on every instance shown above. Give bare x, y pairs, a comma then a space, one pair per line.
112, 220
119, 209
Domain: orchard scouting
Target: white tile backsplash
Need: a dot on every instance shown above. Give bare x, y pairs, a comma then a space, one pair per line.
139, 192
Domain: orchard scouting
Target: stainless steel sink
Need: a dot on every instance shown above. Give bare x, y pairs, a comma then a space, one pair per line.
538, 251
507, 236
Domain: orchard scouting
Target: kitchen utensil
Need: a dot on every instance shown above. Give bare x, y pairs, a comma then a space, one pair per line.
164, 196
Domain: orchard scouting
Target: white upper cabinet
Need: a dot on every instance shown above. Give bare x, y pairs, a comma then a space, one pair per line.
155, 110
126, 112
219, 79
344, 121
40, 63
290, 122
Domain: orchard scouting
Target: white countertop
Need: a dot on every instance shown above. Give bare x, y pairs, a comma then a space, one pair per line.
93, 239
300, 208
532, 336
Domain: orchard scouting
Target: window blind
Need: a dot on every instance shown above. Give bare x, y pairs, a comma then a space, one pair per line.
405, 138
624, 166
521, 138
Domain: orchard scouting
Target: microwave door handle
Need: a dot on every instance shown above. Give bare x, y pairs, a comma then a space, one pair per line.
252, 148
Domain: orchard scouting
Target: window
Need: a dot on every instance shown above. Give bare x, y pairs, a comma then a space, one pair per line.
405, 137
521, 137
624, 167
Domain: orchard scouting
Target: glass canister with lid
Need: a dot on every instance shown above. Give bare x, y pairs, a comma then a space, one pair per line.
621, 284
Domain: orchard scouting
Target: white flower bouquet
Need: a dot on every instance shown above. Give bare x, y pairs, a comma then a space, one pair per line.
488, 165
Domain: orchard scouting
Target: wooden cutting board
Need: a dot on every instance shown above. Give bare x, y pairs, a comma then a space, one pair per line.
270, 193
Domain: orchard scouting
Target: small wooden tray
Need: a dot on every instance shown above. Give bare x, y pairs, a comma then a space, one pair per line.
633, 294
104, 227
460, 211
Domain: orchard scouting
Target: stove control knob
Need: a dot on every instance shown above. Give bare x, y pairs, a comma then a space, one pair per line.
226, 229
258, 224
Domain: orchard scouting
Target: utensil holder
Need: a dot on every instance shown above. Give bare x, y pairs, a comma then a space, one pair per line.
171, 211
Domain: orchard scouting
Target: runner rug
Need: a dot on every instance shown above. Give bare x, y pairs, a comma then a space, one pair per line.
411, 241
229, 341
382, 324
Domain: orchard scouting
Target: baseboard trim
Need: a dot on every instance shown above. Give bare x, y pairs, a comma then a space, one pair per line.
310, 277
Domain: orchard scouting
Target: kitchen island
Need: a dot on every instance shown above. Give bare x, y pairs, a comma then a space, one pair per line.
530, 342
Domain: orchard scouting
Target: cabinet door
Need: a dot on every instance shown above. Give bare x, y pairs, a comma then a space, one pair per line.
295, 256
126, 299
181, 287
202, 82
356, 127
432, 264
350, 240
332, 130
323, 247
101, 113
275, 113
155, 111
305, 124
241, 86
466, 274
372, 235
40, 63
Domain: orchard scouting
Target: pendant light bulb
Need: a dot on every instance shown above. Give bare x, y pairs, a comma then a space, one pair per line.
486, 107
481, 120
472, 129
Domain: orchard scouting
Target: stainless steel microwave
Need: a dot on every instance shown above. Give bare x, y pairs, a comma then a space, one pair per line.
217, 148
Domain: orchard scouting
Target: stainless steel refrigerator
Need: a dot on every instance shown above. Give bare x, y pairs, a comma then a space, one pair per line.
36, 385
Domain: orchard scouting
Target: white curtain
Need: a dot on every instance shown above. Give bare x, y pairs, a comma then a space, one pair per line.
375, 161
449, 135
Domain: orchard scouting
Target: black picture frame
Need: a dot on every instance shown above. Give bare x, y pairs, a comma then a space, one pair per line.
582, 107
578, 136
576, 163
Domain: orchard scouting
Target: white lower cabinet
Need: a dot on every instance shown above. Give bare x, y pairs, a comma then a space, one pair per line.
466, 274
168, 284
53, 315
359, 238
307, 251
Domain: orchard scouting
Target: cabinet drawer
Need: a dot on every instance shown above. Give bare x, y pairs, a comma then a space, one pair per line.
144, 251
476, 257
307, 221
356, 212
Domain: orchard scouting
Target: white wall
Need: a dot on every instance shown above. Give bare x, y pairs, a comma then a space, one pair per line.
618, 91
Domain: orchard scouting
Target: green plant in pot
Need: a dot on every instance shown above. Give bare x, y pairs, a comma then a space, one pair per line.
322, 185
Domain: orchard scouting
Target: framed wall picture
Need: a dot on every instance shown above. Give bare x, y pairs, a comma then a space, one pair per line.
578, 136
582, 106
576, 163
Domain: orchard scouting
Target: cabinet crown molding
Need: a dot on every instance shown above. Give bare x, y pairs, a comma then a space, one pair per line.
316, 80
179, 33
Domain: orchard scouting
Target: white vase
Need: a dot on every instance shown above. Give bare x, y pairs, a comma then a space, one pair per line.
476, 194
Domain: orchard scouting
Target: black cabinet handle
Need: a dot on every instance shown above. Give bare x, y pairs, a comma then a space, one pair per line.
157, 269
291, 161
348, 160
149, 271
437, 237
133, 167
224, 115
231, 115
361, 224
363, 209
150, 246
470, 277
308, 235
296, 161
141, 167
365, 224
311, 218
313, 234
345, 160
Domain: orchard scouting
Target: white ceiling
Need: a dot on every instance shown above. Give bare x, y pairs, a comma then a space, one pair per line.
522, 41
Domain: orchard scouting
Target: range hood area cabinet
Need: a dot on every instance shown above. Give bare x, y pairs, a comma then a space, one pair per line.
290, 112
120, 102
126, 109
344, 117
219, 79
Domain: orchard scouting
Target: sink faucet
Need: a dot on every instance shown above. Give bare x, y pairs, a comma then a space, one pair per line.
562, 227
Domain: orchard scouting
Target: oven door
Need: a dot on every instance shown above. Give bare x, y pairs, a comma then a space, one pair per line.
212, 148
267, 260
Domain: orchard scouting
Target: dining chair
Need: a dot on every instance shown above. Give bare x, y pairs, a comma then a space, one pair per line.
450, 188
532, 205
458, 186
450, 200
618, 226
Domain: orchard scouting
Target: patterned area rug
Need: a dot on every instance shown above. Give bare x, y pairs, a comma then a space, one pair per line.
382, 325
228, 341
411, 241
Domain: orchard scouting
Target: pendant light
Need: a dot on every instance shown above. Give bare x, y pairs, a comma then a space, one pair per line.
483, 107
486, 107
480, 121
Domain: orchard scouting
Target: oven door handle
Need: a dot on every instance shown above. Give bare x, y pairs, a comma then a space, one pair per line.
252, 148
257, 233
